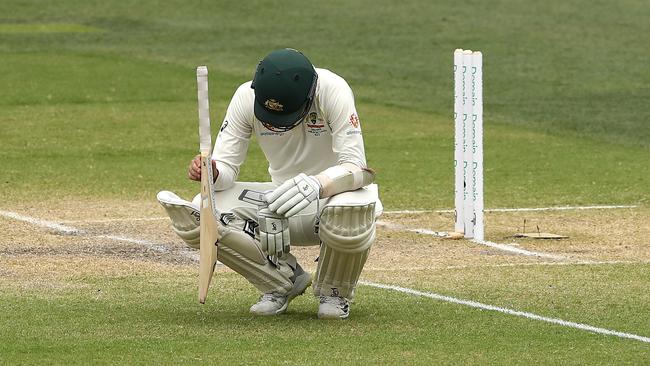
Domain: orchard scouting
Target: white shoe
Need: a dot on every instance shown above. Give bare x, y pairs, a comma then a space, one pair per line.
273, 303
270, 304
185, 216
333, 307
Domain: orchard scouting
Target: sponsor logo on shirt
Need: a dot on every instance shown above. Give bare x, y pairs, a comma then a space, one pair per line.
271, 133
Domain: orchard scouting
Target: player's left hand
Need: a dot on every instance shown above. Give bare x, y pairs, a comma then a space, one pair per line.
293, 195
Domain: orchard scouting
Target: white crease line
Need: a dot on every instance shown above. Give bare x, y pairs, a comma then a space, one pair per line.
42, 223
99, 221
523, 209
502, 247
478, 305
535, 264
68, 230
415, 211
561, 208
511, 249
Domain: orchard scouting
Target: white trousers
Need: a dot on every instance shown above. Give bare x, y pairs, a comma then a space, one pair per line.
302, 226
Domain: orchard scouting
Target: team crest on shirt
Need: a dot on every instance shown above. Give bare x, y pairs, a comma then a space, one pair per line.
354, 120
315, 124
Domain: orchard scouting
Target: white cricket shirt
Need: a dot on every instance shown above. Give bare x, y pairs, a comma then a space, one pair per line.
329, 135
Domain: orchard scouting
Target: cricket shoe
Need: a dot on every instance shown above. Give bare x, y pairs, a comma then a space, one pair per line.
274, 303
185, 217
333, 307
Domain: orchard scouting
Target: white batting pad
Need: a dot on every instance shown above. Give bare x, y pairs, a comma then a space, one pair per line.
184, 215
347, 231
243, 254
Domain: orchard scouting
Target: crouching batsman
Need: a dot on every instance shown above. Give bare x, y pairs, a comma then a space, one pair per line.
321, 190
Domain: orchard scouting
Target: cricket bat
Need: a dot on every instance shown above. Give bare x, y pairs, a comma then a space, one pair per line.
209, 229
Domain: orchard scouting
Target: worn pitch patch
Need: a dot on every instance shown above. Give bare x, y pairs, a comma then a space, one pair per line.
593, 235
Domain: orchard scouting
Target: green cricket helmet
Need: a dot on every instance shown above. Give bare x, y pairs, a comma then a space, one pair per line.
284, 84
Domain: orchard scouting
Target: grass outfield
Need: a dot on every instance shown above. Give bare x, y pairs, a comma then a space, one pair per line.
98, 113
138, 319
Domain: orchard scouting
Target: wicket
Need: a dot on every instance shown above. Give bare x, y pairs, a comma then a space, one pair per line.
468, 143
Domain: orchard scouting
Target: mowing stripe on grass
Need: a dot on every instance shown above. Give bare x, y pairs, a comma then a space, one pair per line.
18, 28
523, 209
478, 305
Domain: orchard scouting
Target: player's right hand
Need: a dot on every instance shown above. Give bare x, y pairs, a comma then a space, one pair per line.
274, 232
194, 171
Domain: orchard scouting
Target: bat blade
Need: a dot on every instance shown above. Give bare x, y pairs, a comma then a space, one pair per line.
209, 231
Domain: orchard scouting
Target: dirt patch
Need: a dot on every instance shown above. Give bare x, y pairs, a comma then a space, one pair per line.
594, 235
23, 239
87, 210
597, 235
53, 273
407, 251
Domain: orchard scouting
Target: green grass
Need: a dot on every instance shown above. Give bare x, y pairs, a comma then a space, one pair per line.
609, 296
104, 126
113, 114
138, 319
132, 149
561, 67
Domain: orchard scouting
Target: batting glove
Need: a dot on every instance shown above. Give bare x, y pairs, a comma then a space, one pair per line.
293, 195
274, 232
